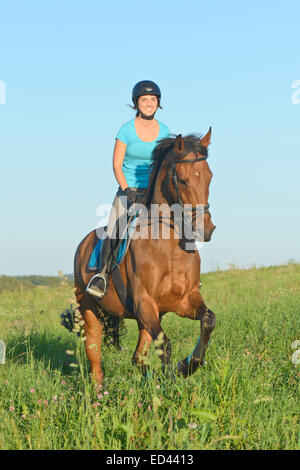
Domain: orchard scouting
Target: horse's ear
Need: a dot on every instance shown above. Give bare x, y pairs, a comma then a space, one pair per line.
179, 144
205, 141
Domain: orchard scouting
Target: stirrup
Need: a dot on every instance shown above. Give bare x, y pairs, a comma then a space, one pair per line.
92, 290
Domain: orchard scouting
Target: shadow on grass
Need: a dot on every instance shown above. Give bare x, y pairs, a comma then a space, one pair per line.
47, 347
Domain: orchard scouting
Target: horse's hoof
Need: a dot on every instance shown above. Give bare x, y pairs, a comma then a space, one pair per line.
182, 368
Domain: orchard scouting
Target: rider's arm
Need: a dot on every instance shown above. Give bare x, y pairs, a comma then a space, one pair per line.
118, 158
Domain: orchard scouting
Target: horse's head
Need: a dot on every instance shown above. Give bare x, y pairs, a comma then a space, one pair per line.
192, 177
180, 175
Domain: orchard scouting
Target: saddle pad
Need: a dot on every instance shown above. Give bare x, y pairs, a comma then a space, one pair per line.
95, 261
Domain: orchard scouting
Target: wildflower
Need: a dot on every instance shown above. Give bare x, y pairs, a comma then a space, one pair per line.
55, 397
157, 386
149, 408
96, 404
106, 392
46, 402
39, 402
64, 383
12, 408
295, 344
23, 416
296, 357
192, 425
139, 404
32, 390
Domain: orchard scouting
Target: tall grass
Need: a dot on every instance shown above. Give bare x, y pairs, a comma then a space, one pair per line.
245, 397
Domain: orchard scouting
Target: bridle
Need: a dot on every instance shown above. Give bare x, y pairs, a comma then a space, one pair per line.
175, 180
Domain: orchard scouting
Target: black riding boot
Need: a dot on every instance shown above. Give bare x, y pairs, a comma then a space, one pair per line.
98, 283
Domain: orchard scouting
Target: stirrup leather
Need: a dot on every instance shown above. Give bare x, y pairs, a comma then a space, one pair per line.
90, 289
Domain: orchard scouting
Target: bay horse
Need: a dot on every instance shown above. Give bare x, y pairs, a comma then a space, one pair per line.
159, 274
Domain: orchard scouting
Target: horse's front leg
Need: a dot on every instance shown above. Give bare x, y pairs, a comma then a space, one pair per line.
207, 318
148, 317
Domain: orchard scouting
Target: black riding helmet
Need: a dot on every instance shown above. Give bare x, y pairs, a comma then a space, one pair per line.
145, 87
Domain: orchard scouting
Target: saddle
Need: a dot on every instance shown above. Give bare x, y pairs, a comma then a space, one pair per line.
116, 257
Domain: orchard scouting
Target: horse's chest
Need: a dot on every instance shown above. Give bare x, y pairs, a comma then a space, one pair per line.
179, 285
174, 283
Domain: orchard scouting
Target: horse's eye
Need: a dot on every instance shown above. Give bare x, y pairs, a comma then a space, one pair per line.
182, 182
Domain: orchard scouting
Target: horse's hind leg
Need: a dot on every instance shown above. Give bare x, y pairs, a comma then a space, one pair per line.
140, 353
93, 332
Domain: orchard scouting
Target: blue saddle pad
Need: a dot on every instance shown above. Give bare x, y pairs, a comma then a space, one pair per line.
95, 260
95, 256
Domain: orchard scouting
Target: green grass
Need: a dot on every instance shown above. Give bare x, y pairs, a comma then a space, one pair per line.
245, 397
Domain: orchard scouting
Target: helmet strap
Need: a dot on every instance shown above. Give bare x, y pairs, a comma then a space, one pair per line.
148, 118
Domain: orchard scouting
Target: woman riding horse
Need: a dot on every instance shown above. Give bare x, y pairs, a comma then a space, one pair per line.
132, 159
158, 274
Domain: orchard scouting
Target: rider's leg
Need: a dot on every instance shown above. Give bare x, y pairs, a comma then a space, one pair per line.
98, 283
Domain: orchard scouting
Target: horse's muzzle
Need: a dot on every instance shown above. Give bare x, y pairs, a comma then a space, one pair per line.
208, 233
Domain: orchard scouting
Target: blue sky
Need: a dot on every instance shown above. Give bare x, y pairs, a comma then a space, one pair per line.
69, 68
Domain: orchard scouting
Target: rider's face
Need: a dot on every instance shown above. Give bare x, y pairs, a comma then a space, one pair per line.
148, 104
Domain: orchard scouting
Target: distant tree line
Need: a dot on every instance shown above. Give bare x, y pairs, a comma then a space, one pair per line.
14, 283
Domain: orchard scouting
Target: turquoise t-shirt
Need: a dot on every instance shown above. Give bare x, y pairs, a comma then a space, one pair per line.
138, 156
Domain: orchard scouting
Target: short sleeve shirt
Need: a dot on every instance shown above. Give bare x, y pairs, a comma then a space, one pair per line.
138, 156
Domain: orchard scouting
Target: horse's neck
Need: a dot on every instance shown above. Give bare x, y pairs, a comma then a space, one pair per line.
160, 215
161, 224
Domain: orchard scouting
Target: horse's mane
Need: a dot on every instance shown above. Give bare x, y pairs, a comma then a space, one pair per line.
163, 152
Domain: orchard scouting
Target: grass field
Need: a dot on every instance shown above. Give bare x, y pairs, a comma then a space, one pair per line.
245, 397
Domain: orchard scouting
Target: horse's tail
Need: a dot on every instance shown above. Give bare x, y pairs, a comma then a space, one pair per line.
113, 327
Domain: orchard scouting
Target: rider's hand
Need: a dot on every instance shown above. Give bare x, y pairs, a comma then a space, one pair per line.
130, 194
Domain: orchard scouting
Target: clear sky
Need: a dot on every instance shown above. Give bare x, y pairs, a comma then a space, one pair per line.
68, 68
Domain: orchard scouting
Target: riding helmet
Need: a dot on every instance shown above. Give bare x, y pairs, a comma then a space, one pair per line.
145, 87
